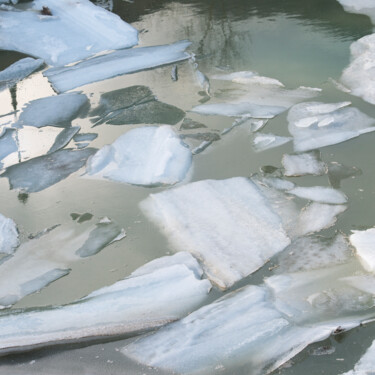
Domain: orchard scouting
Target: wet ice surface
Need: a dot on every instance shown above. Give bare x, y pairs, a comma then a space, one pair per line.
72, 33
8, 235
146, 156
315, 124
170, 290
303, 164
263, 142
46, 258
115, 63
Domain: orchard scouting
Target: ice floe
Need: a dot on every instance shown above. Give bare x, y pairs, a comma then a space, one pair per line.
64, 137
366, 7
8, 235
364, 243
315, 124
146, 156
42, 260
44, 171
264, 141
320, 194
8, 143
303, 164
74, 31
161, 294
366, 365
134, 105
18, 71
57, 110
115, 63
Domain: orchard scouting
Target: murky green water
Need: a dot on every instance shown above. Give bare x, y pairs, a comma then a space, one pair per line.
298, 42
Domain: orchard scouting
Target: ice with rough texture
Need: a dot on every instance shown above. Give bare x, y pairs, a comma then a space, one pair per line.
366, 365
44, 171
76, 30
228, 225
42, 260
146, 156
303, 164
115, 63
264, 141
64, 137
8, 235
314, 124
8, 143
18, 71
56, 110
364, 243
320, 194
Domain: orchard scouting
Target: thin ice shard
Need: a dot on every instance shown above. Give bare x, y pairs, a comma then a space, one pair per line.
262, 141
115, 63
64, 137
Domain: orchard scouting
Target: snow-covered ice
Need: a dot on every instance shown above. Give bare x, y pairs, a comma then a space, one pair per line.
44, 171
58, 110
303, 164
146, 156
76, 30
320, 194
18, 71
264, 141
314, 124
42, 260
364, 243
153, 298
8, 235
115, 63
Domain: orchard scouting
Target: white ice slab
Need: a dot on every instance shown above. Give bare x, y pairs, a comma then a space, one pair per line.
146, 156
18, 71
303, 164
228, 225
366, 365
8, 235
53, 110
364, 243
315, 124
248, 77
40, 261
264, 141
126, 307
114, 64
75, 30
320, 194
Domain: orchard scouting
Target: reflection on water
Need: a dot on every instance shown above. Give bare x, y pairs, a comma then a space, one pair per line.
300, 43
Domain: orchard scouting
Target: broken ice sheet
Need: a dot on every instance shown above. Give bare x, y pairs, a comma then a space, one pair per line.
64, 137
146, 156
73, 32
58, 110
8, 143
42, 260
366, 365
262, 141
314, 125
115, 63
364, 243
44, 171
134, 105
8, 235
18, 71
159, 294
320, 194
303, 164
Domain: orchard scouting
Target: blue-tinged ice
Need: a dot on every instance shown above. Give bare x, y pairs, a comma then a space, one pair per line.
42, 260
145, 156
63, 138
76, 30
115, 63
8, 235
137, 303
263, 141
58, 110
366, 365
8, 143
364, 243
18, 71
308, 163
314, 125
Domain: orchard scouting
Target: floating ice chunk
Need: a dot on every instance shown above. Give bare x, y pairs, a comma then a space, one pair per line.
364, 243
359, 75
136, 304
57, 110
73, 32
366, 7
8, 235
144, 156
189, 124
40, 261
263, 141
303, 164
320, 194
18, 71
44, 171
228, 225
338, 172
247, 77
82, 137
365, 283
315, 125
115, 63
8, 143
366, 365
64, 137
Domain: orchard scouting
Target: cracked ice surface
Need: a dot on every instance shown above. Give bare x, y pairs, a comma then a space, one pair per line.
146, 156
75, 30
157, 295
42, 260
115, 63
314, 125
